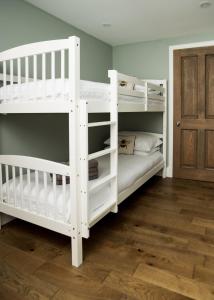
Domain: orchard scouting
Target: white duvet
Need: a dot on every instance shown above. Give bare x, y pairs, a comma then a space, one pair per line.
58, 90
130, 169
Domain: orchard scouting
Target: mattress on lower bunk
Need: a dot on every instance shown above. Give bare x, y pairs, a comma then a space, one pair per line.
130, 169
58, 89
41, 200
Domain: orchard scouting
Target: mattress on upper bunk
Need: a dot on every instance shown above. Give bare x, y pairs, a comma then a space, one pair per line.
58, 89
130, 169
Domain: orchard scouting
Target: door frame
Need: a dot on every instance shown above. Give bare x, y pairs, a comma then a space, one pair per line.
169, 171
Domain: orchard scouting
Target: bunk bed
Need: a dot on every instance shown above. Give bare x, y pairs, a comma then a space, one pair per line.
28, 185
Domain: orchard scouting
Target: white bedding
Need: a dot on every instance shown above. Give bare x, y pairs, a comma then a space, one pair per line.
58, 89
130, 169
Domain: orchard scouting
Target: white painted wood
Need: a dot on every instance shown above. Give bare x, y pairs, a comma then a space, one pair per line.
32, 217
29, 186
44, 74
133, 93
97, 124
21, 186
84, 192
63, 64
171, 107
7, 181
130, 79
54, 193
78, 139
1, 182
11, 72
14, 185
156, 86
4, 79
101, 153
165, 132
37, 190
45, 180
19, 71
34, 78
101, 182
40, 107
113, 75
100, 213
63, 191
53, 70
74, 144
34, 164
34, 49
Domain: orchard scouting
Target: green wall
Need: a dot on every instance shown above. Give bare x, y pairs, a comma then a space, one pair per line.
150, 59
45, 136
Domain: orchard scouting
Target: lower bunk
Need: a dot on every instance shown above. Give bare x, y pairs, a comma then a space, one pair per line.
29, 189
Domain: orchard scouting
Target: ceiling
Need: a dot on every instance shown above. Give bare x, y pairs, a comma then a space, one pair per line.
132, 20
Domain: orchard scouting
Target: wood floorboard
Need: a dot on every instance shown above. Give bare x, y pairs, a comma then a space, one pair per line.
160, 246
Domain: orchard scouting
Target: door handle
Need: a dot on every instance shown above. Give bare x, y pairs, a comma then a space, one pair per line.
178, 123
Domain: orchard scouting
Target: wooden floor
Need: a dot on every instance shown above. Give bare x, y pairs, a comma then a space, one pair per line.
160, 246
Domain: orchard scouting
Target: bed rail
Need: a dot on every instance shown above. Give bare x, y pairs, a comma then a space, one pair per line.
53, 60
145, 89
34, 49
26, 183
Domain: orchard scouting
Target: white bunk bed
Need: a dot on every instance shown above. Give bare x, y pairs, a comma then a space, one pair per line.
26, 188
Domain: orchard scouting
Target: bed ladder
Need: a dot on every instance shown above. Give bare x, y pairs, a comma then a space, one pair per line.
111, 178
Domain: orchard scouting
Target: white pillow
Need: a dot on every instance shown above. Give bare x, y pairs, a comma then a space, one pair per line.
144, 141
142, 153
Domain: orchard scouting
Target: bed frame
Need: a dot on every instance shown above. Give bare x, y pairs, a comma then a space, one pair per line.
21, 65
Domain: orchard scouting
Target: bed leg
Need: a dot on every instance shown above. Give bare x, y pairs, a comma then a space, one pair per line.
164, 173
76, 244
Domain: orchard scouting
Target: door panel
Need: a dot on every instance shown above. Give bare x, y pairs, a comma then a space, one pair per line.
209, 146
188, 148
194, 114
189, 86
209, 86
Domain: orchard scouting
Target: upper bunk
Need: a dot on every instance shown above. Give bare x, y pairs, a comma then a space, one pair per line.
44, 77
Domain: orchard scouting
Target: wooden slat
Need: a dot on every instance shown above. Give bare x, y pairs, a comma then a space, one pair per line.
11, 72
54, 196
37, 191
45, 178
101, 153
21, 186
29, 188
7, 181
64, 194
26, 69
14, 185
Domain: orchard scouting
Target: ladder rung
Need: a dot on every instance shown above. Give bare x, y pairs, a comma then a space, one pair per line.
101, 182
101, 153
96, 124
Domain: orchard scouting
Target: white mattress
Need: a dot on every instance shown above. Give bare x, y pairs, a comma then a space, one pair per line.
58, 90
131, 168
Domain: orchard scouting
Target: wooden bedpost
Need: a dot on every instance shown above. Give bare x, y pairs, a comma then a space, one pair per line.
74, 146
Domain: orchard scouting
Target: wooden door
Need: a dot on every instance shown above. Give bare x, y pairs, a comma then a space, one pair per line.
194, 114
